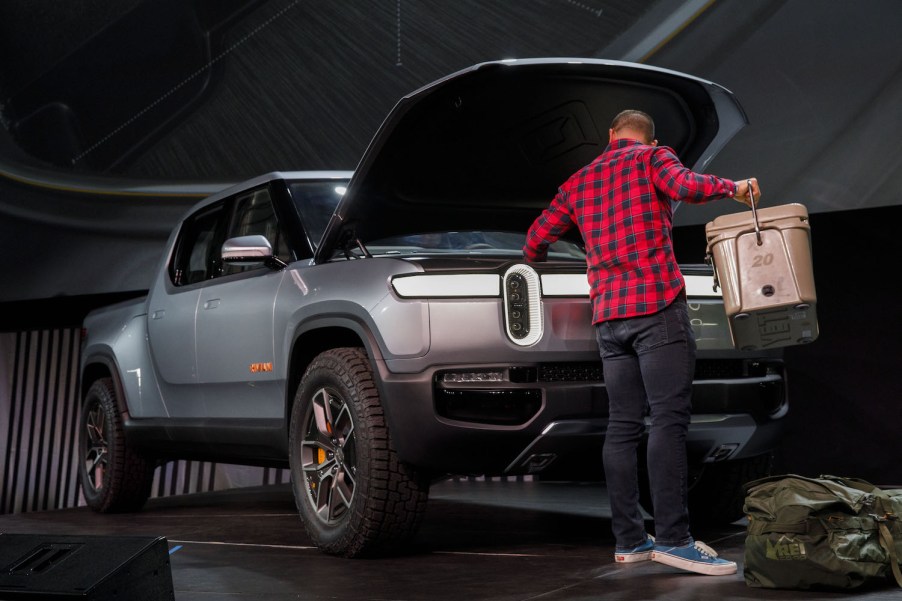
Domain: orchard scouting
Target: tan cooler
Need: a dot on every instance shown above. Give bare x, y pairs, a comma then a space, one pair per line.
762, 261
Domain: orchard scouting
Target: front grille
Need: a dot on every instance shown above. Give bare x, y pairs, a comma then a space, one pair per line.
729, 369
705, 369
590, 371
498, 407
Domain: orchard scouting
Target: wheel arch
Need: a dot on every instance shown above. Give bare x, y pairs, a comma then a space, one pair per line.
321, 335
99, 366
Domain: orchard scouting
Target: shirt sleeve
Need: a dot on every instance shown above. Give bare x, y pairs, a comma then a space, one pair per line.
547, 228
677, 182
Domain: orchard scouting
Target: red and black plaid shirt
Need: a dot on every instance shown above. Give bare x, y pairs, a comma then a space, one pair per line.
621, 204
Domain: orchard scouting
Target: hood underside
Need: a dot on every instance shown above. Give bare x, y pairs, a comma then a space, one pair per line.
487, 147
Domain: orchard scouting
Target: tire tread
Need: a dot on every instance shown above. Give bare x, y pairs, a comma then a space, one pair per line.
394, 507
130, 474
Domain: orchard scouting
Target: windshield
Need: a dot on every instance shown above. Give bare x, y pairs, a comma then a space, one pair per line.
316, 201
470, 242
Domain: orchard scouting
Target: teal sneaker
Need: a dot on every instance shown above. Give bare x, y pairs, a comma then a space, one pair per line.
640, 553
694, 557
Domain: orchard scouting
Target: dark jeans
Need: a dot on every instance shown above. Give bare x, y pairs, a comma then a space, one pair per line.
649, 363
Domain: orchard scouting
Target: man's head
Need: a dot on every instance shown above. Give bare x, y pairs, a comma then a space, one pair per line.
633, 125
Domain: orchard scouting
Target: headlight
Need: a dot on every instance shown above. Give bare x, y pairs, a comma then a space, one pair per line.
522, 305
458, 377
446, 285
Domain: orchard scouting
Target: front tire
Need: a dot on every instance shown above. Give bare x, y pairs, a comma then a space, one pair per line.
354, 496
113, 476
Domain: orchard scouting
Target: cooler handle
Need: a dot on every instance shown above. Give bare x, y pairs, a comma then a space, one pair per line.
754, 212
709, 258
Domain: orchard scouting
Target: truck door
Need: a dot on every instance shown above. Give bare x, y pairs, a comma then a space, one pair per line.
234, 328
194, 263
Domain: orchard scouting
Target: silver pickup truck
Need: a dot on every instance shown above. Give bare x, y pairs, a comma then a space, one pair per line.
377, 330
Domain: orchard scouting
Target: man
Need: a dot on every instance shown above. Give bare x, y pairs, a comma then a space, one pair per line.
621, 203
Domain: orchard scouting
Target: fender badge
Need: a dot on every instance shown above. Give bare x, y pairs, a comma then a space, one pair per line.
260, 367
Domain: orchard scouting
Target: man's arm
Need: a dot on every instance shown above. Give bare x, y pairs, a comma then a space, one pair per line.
677, 182
547, 228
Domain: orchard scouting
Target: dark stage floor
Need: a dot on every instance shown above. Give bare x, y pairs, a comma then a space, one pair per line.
506, 541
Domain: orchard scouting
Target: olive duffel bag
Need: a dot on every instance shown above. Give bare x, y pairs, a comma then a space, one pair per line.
826, 532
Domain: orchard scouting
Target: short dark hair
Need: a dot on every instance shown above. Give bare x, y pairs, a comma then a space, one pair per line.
636, 121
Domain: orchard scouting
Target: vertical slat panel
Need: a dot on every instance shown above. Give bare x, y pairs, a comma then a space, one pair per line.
17, 441
51, 448
9, 409
69, 441
48, 445
39, 438
39, 465
32, 419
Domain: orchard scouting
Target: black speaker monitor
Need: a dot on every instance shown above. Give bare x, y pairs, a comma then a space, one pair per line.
95, 568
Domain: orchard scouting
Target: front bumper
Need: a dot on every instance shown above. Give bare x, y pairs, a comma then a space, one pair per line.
530, 422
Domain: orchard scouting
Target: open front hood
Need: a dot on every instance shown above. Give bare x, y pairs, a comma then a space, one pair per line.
487, 147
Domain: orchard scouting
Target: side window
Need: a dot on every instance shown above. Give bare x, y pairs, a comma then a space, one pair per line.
197, 256
254, 214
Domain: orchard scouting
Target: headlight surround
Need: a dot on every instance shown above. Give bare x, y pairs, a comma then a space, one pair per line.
522, 305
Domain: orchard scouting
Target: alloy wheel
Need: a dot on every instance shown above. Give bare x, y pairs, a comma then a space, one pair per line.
328, 456
97, 449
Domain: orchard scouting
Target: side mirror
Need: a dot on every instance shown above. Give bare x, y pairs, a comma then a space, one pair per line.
245, 250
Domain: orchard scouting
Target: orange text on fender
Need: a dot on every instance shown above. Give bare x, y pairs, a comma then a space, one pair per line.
260, 367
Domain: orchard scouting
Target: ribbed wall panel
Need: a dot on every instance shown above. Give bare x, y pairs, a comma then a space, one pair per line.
39, 405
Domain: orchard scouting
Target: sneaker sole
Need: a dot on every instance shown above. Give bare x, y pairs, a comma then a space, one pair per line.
632, 557
698, 567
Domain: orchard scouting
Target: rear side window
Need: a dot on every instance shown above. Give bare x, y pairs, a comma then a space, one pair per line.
198, 250
198, 254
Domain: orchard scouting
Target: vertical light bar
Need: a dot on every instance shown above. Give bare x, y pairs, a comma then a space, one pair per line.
522, 305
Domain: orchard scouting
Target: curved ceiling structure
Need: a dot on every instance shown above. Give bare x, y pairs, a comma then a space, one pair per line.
118, 115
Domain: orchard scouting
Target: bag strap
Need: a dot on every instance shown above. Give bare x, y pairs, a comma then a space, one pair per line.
758, 527
886, 541
885, 504
856, 483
